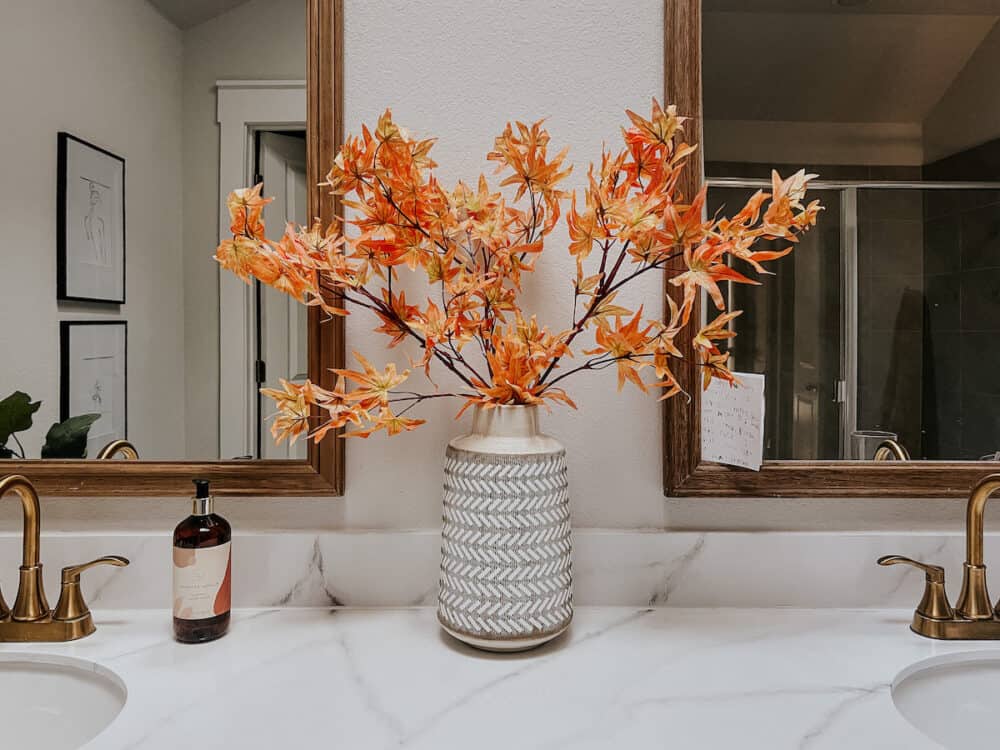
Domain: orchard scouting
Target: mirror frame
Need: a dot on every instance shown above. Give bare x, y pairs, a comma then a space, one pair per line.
684, 473
322, 473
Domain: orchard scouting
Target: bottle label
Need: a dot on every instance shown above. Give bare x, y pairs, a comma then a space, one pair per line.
202, 581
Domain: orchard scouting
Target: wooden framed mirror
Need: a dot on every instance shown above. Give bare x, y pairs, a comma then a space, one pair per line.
908, 354
163, 130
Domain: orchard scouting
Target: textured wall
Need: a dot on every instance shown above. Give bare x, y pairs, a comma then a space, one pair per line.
461, 76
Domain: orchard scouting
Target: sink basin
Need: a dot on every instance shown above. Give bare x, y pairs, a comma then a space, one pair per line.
55, 703
953, 699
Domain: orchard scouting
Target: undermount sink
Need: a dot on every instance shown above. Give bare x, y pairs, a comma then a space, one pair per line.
55, 703
953, 699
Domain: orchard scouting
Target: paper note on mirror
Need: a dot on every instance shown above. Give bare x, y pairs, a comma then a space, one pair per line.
732, 422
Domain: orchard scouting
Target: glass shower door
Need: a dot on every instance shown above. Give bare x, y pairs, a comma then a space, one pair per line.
792, 330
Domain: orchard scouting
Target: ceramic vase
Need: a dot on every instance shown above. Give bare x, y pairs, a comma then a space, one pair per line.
506, 581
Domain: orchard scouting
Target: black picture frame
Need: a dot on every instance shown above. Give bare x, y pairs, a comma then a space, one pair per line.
66, 330
64, 253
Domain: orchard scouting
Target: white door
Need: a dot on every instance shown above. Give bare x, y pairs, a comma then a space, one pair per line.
282, 332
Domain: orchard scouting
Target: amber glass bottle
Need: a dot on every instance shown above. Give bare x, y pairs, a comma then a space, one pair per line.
202, 571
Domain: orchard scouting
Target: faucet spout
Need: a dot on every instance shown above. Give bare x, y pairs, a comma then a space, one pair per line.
31, 510
974, 601
30, 620
115, 448
30, 603
890, 450
974, 514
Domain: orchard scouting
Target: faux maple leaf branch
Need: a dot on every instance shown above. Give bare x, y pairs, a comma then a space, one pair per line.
474, 245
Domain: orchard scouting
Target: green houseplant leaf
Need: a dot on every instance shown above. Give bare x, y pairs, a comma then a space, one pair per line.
15, 415
68, 439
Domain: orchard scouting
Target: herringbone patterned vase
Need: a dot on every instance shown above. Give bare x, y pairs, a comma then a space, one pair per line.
506, 581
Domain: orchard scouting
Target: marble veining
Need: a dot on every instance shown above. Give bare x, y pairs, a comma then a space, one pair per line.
611, 567
672, 570
621, 678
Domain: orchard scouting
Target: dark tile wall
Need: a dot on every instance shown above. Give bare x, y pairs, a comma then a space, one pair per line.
977, 163
890, 314
962, 311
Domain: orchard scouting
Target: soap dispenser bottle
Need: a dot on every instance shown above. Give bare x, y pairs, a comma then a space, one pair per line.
202, 571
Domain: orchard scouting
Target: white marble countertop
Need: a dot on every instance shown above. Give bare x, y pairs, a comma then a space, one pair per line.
622, 678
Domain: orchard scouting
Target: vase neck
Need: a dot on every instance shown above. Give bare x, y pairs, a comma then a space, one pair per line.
506, 421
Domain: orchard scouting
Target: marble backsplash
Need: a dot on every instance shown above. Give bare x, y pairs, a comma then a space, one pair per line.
634, 568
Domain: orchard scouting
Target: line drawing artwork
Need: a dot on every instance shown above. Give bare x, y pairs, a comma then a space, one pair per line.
90, 246
97, 394
95, 225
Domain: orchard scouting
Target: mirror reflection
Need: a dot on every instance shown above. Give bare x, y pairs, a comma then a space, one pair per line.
116, 325
879, 332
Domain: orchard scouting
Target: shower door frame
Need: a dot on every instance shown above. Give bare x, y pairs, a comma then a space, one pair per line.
847, 385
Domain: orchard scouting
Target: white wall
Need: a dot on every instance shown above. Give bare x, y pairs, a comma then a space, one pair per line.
263, 39
107, 71
127, 79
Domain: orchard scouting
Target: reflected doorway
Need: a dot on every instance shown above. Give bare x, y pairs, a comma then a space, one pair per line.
281, 329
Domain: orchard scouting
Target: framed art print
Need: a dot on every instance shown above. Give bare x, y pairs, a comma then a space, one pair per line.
93, 377
90, 205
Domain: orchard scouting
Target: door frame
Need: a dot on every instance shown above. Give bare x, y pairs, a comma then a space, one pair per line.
258, 432
243, 109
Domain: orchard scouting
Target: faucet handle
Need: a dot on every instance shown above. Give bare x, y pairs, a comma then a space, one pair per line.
934, 605
71, 605
71, 573
935, 573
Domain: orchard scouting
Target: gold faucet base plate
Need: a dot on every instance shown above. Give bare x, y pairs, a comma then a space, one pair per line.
957, 629
46, 631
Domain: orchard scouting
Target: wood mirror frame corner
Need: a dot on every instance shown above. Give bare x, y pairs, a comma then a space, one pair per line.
684, 473
322, 473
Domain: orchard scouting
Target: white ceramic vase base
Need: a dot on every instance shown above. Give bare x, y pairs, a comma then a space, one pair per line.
501, 646
506, 576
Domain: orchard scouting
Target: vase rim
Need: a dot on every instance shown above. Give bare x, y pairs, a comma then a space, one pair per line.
485, 407
506, 421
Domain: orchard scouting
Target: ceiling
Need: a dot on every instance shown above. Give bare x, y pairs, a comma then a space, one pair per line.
187, 13
836, 66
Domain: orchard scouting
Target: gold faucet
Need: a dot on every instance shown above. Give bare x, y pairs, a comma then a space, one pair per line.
974, 617
31, 620
122, 448
890, 450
